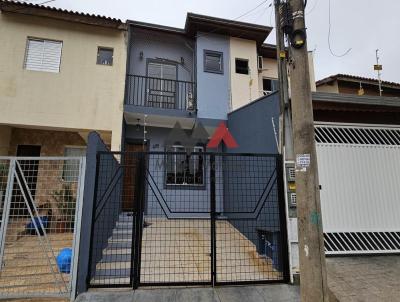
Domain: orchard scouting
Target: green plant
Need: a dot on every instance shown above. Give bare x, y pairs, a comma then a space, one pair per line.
66, 203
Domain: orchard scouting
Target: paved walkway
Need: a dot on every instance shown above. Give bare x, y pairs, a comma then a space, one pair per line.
256, 293
351, 279
366, 279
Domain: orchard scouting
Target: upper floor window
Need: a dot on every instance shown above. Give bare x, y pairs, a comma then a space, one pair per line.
242, 66
43, 55
105, 56
213, 61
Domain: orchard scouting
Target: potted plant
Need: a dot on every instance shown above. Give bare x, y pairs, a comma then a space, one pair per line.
66, 204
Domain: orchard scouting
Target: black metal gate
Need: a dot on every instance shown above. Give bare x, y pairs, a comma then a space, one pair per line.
198, 218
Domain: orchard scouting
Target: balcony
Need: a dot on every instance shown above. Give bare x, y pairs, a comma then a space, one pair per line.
160, 93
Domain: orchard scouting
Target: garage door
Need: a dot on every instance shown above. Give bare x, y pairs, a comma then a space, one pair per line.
359, 172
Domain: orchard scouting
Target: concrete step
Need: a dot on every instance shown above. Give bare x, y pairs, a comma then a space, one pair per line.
122, 232
112, 273
116, 257
124, 225
119, 245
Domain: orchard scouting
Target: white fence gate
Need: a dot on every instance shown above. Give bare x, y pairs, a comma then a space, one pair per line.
40, 210
359, 173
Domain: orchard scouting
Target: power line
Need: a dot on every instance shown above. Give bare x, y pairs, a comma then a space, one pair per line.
329, 35
312, 8
25, 2
235, 19
248, 12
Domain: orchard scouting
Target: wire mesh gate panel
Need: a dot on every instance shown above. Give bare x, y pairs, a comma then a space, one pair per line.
40, 200
164, 218
359, 171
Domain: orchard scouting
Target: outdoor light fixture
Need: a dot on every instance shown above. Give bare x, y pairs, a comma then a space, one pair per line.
182, 60
141, 55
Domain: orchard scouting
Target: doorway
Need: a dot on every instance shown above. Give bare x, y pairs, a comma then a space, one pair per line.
130, 162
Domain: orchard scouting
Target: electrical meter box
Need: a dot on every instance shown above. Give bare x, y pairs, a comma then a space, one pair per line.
291, 184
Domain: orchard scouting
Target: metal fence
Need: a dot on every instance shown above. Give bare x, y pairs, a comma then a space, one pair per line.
170, 218
160, 93
40, 215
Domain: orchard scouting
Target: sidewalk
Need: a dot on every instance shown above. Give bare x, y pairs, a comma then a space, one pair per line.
254, 293
365, 278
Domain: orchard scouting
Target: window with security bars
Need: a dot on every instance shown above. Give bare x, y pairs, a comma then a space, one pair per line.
43, 55
71, 166
184, 168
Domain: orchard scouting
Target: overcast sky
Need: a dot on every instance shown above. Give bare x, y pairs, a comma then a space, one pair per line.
362, 25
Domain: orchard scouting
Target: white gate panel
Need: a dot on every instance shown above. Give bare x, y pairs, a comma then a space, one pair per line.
360, 187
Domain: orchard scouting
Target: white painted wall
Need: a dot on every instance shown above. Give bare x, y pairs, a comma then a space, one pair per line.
244, 88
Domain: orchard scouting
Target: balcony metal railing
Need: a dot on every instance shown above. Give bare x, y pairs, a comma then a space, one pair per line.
160, 93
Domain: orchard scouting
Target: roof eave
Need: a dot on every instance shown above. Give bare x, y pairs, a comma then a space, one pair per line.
356, 99
195, 23
12, 7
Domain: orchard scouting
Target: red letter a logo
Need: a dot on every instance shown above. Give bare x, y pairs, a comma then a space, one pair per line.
222, 134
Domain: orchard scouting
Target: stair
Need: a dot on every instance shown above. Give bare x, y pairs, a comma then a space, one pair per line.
115, 264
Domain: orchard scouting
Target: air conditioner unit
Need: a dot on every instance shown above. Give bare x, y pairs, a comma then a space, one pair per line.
260, 63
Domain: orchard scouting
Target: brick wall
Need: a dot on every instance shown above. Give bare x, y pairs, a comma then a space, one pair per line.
52, 142
50, 172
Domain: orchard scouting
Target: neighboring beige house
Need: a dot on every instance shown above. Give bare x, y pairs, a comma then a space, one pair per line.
350, 84
260, 71
62, 75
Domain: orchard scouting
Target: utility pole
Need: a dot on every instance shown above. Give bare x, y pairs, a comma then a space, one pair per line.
313, 281
285, 125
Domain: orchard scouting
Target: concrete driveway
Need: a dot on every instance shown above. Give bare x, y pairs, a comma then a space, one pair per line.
365, 279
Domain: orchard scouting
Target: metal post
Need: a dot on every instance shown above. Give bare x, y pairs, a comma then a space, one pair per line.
213, 217
378, 69
6, 209
284, 252
77, 228
136, 249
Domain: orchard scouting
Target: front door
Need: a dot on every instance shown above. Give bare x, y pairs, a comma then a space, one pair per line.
130, 162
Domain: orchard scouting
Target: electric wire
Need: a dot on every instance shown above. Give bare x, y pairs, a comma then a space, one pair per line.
329, 35
237, 18
312, 8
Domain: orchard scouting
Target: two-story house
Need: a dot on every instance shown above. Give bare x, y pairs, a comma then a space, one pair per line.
196, 74
61, 76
